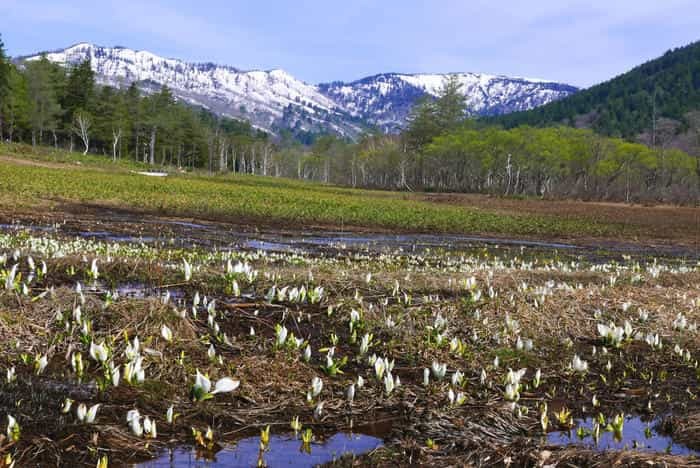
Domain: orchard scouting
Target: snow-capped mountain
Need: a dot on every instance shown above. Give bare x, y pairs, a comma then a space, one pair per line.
274, 99
386, 100
268, 99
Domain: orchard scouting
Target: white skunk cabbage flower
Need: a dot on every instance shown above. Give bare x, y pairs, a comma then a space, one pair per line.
281, 334
511, 392
99, 353
166, 333
579, 365
40, 363
201, 390
187, 268
133, 419
67, 403
351, 393
439, 370
13, 430
316, 387
94, 272
380, 368
538, 378
87, 415
149, 428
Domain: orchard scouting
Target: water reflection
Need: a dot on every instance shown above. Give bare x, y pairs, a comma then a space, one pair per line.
636, 435
283, 451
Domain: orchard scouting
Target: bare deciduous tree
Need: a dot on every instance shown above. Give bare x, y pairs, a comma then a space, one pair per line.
116, 136
82, 123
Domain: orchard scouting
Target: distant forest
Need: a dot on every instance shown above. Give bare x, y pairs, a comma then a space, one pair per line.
44, 104
536, 153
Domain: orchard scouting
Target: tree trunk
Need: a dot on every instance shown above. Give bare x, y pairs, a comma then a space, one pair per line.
152, 154
222, 156
136, 145
116, 137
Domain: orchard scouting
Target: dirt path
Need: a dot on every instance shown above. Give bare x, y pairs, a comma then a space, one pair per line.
52, 165
31, 162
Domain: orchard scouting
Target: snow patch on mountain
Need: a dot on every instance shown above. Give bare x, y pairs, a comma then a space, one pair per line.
386, 100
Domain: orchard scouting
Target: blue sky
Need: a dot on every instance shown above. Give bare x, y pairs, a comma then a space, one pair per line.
581, 42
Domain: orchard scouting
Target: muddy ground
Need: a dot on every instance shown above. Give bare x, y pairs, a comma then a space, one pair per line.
672, 231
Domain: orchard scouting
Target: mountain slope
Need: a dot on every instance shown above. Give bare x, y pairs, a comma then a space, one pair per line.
269, 99
667, 87
275, 100
386, 100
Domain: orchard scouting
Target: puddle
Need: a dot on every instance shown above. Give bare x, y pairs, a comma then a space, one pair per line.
190, 234
386, 242
25, 227
422, 241
136, 290
637, 435
335, 242
141, 291
267, 246
187, 224
112, 237
283, 451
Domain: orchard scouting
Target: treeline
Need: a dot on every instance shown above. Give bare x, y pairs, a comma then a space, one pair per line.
551, 162
629, 104
47, 104
443, 151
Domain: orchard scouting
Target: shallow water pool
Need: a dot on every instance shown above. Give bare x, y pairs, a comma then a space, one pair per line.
637, 435
283, 450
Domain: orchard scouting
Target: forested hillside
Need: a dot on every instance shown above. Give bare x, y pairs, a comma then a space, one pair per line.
630, 104
45, 104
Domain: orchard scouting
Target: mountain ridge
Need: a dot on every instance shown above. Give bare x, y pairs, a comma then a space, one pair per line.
275, 100
485, 94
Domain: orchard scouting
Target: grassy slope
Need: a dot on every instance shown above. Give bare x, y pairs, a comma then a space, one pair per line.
39, 180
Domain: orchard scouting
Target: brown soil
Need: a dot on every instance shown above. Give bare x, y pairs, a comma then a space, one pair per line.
642, 223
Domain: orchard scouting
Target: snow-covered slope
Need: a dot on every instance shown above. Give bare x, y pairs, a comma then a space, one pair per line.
269, 99
386, 100
275, 100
